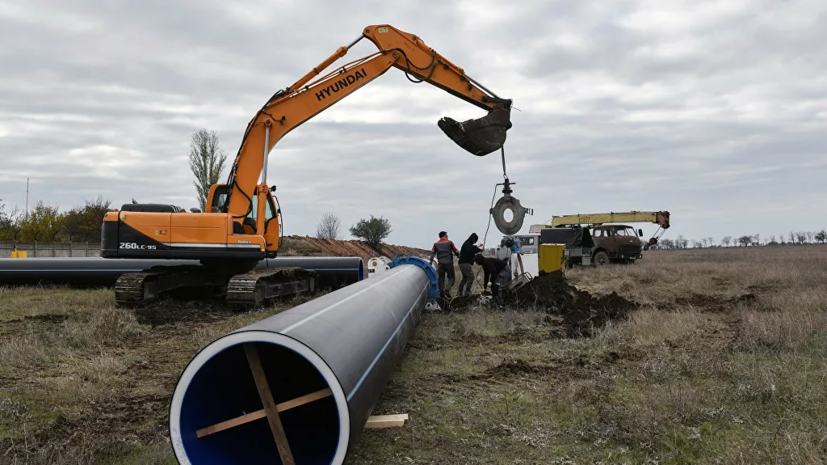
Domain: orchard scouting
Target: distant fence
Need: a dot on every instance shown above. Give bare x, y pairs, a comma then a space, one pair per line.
52, 249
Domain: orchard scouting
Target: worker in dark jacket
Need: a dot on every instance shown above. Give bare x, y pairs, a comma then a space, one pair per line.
466, 263
496, 272
444, 250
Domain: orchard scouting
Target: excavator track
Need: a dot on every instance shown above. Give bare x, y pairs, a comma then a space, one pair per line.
254, 288
129, 289
134, 289
249, 289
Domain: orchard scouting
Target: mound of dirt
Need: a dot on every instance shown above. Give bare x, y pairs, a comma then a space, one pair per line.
581, 312
310, 246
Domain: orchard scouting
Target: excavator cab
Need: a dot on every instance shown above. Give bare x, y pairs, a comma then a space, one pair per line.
480, 136
217, 198
262, 216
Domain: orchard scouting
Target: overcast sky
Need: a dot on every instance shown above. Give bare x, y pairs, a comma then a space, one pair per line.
715, 111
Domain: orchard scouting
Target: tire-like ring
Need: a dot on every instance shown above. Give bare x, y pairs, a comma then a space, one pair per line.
508, 202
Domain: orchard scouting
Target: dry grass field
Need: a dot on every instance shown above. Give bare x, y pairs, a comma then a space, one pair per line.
725, 361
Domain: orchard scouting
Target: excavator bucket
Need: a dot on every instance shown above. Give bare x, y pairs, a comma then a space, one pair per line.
479, 136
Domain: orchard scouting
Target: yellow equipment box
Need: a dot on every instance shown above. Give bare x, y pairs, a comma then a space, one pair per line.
550, 258
19, 253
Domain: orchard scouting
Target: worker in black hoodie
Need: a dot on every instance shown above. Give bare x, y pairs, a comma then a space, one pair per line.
466, 263
496, 273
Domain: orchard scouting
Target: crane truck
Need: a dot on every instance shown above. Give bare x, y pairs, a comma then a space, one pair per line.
596, 238
242, 224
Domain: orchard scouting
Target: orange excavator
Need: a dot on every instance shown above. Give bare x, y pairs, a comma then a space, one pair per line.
242, 224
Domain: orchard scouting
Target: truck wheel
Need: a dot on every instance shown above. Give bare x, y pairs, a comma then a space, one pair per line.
600, 259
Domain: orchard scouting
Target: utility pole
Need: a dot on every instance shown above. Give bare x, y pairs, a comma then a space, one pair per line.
27, 198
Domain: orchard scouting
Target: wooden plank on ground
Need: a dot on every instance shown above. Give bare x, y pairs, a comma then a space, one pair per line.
269, 404
297, 402
386, 421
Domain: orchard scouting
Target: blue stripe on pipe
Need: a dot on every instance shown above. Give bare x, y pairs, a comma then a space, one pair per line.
140, 269
331, 269
379, 355
38, 270
322, 312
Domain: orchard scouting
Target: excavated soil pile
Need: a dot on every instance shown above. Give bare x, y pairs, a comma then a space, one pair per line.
310, 247
581, 312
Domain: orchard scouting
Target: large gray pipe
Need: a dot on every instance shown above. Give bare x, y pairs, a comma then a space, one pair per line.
347, 341
334, 272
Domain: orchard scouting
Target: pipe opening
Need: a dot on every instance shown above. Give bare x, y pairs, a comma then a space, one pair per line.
222, 388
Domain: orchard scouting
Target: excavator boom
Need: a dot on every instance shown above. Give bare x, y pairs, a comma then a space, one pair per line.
310, 95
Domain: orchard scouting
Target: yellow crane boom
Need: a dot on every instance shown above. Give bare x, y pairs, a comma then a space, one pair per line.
660, 218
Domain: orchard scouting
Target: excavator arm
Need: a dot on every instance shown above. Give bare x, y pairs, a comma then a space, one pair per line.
314, 93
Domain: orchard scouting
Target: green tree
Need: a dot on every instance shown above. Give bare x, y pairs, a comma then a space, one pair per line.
84, 223
372, 231
7, 224
42, 224
821, 236
73, 225
207, 161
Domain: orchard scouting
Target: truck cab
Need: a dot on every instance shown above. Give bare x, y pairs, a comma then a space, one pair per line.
616, 243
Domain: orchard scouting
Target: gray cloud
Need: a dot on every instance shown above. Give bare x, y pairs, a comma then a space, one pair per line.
714, 111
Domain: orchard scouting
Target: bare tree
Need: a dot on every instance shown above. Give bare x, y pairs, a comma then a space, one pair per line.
801, 236
772, 240
756, 239
711, 241
726, 240
810, 236
792, 237
207, 161
329, 227
697, 244
745, 240
705, 241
